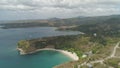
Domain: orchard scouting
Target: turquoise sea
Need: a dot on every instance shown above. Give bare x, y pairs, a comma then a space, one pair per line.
10, 58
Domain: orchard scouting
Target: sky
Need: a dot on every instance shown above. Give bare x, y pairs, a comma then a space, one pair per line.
43, 9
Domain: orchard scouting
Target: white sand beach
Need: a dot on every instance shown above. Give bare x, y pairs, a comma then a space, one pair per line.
69, 54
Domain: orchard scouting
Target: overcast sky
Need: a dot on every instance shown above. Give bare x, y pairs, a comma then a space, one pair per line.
41, 9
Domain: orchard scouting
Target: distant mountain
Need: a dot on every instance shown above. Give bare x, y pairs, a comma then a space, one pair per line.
63, 22
55, 18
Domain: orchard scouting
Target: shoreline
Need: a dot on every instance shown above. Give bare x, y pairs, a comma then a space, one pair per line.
69, 54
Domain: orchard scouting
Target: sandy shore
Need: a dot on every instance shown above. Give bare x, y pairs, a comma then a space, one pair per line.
69, 54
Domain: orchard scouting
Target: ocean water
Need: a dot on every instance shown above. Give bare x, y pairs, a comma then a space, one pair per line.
10, 58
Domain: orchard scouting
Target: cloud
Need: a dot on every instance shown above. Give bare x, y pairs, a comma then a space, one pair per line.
68, 4
62, 8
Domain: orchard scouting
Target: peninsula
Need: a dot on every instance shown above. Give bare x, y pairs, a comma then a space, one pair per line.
50, 43
97, 47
